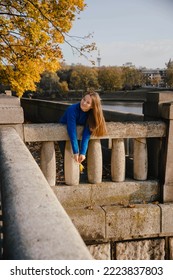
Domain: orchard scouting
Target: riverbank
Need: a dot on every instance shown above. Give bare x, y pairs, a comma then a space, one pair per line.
138, 95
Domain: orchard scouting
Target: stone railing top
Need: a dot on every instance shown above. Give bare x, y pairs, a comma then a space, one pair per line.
35, 224
9, 101
58, 132
10, 110
160, 97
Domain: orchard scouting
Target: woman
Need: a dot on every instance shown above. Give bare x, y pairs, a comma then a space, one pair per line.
89, 114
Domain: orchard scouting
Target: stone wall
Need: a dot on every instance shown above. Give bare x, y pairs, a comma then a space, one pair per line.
116, 220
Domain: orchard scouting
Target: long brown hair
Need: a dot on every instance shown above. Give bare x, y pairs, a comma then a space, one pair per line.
96, 120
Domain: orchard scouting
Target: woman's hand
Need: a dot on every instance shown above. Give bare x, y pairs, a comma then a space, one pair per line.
81, 158
76, 157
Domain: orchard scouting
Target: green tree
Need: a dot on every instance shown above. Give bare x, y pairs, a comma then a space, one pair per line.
49, 83
132, 78
83, 77
110, 78
169, 73
30, 37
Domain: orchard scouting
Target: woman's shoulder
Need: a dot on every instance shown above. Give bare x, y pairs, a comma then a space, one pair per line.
74, 107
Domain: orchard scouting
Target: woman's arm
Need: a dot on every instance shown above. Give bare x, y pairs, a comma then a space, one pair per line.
72, 129
85, 139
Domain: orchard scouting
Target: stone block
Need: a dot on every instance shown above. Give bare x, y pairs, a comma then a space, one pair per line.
11, 115
171, 248
9, 101
107, 193
151, 109
166, 110
167, 218
160, 97
90, 222
127, 222
152, 249
130, 191
73, 196
100, 251
17, 127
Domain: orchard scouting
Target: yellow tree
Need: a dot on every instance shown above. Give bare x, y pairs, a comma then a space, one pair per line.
30, 37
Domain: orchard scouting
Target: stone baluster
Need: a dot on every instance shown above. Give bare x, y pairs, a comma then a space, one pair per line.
48, 162
140, 159
94, 161
71, 167
118, 160
167, 154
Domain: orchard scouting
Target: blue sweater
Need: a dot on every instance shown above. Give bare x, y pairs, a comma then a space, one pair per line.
72, 117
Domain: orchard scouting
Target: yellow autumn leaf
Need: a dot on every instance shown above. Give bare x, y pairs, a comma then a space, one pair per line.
81, 167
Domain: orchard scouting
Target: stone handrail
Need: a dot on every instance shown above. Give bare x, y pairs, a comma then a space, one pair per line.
117, 133
35, 225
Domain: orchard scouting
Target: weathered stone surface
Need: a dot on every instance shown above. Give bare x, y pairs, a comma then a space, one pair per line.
58, 132
100, 251
9, 101
130, 191
108, 193
140, 159
90, 222
126, 223
171, 248
118, 160
10, 110
168, 185
11, 115
153, 249
167, 110
94, 161
160, 97
71, 167
48, 162
35, 224
74, 196
17, 127
167, 218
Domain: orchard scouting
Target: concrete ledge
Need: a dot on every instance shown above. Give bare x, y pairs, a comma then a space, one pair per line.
115, 223
35, 224
107, 193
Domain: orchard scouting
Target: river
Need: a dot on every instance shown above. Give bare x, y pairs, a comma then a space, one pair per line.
125, 107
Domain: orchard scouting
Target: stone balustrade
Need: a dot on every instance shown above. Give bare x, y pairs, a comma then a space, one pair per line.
117, 133
104, 223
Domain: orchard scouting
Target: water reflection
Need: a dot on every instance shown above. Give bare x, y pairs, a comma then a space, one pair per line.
125, 107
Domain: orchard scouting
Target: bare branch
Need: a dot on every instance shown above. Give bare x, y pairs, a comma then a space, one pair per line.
12, 14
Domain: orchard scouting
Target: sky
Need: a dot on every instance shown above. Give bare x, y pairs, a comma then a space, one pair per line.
136, 31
